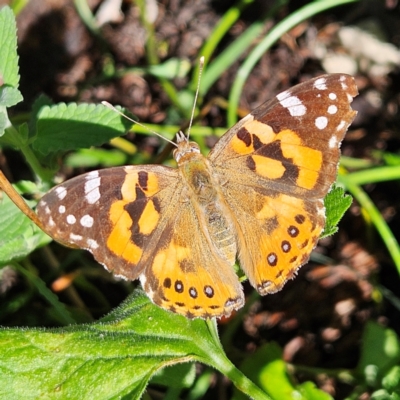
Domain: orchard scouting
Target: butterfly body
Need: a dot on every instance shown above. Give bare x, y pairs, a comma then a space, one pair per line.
257, 197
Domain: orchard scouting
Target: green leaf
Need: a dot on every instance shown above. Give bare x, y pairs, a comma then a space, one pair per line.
9, 96
170, 69
95, 157
65, 127
3, 121
380, 351
336, 204
112, 358
311, 392
38, 104
267, 369
8, 47
19, 236
391, 381
177, 376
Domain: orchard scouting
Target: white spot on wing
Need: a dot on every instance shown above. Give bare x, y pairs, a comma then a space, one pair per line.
332, 109
61, 192
47, 210
333, 142
61, 209
283, 95
341, 125
294, 105
71, 219
92, 192
78, 238
320, 84
51, 222
92, 244
321, 122
87, 221
332, 96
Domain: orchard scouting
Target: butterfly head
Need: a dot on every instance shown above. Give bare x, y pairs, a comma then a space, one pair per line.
184, 148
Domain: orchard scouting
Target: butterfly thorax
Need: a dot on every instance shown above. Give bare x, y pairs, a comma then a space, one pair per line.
203, 191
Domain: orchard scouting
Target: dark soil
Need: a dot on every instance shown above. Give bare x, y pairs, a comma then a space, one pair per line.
318, 318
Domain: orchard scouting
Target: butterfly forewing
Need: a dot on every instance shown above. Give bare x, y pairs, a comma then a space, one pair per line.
111, 213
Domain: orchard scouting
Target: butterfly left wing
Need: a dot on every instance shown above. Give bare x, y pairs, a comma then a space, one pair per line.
276, 165
139, 223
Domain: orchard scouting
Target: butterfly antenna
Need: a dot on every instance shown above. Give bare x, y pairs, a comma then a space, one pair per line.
108, 105
201, 66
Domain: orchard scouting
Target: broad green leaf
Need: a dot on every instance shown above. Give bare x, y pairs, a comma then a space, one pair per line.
8, 48
109, 359
18, 235
176, 376
336, 203
65, 127
38, 104
380, 351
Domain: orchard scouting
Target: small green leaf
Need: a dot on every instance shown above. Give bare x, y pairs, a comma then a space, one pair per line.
311, 392
336, 203
65, 127
112, 358
9, 96
8, 45
95, 158
171, 69
267, 369
391, 381
19, 236
380, 351
3, 121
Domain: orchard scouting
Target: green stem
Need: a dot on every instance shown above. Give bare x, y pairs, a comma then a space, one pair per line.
219, 360
272, 37
240, 381
44, 174
86, 16
152, 58
376, 217
373, 175
233, 52
223, 26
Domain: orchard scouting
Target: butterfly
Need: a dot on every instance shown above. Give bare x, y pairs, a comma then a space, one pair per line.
256, 198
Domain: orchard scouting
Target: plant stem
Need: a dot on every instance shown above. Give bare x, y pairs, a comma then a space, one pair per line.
376, 217
273, 36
